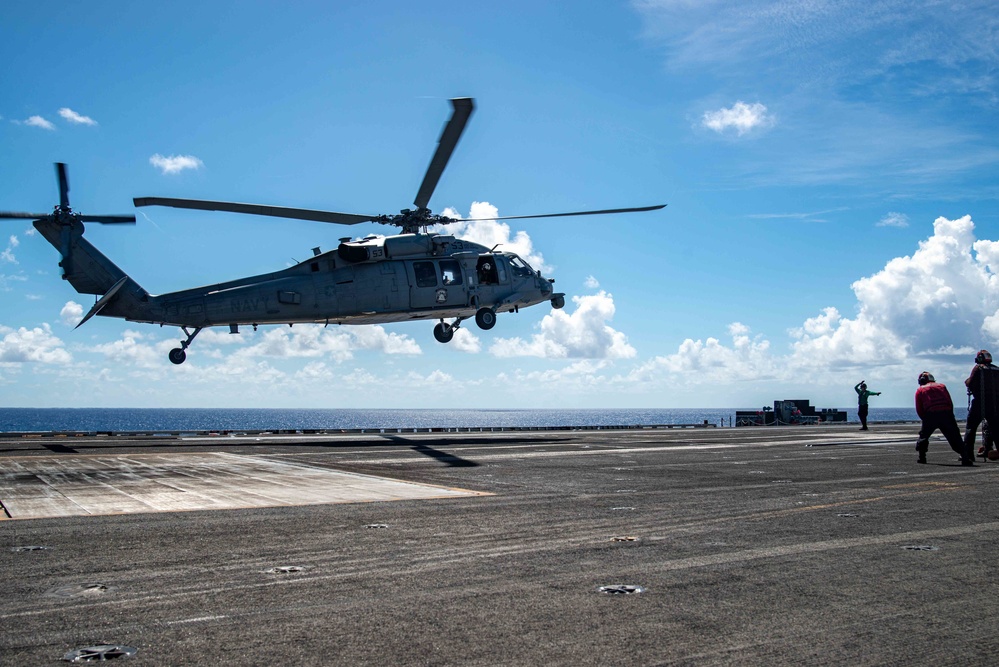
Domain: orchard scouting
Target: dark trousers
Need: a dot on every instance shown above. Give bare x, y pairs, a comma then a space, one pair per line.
945, 421
971, 428
862, 413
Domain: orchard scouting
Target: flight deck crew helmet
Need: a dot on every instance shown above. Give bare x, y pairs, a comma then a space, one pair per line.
925, 378
983, 357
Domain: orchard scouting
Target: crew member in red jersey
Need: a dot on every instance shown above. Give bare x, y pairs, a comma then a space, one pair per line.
935, 407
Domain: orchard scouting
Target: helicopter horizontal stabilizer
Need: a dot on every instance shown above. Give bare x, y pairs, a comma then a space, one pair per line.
103, 301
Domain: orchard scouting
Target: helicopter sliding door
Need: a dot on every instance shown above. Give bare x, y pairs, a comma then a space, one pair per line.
436, 284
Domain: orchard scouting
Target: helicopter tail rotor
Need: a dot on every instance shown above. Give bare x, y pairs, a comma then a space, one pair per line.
63, 213
63, 223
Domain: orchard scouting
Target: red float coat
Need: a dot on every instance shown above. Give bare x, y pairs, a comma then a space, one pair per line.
933, 397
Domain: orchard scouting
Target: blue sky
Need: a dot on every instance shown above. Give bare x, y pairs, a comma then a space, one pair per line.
830, 170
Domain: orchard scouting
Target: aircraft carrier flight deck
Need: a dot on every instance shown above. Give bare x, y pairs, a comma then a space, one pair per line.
709, 546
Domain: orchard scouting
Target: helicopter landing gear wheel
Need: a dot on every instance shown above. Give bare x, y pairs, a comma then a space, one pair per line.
178, 355
443, 332
485, 318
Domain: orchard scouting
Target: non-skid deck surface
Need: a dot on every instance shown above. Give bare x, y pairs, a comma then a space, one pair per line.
50, 486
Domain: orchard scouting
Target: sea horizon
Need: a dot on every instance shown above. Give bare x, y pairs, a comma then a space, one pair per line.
229, 419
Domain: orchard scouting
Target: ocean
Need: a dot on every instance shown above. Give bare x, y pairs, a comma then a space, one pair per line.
230, 419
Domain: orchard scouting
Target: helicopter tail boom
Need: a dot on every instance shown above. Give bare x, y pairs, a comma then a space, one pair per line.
89, 271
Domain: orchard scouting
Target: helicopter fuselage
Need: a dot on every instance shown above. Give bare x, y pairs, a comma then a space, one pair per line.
371, 281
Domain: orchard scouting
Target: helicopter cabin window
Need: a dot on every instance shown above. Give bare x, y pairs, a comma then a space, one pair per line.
450, 272
426, 275
520, 267
486, 270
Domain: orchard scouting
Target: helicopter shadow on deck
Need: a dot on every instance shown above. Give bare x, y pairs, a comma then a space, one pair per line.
444, 457
418, 446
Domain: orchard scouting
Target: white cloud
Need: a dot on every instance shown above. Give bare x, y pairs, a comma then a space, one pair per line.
6, 280
894, 220
71, 314
338, 344
493, 232
375, 337
822, 40
305, 341
76, 118
38, 344
591, 283
941, 304
712, 362
584, 334
740, 117
175, 163
8, 253
465, 341
38, 121
132, 352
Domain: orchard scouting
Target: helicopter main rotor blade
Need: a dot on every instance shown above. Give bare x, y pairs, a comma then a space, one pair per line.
562, 215
257, 209
13, 215
463, 107
108, 219
63, 184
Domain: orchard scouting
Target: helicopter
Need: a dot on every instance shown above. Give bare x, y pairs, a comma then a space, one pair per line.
416, 274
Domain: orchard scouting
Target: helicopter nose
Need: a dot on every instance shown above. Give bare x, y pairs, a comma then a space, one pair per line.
546, 286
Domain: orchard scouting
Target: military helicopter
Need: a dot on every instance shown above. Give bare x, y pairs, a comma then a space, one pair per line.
414, 275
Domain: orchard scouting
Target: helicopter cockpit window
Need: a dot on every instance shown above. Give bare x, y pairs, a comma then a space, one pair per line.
426, 275
450, 272
519, 267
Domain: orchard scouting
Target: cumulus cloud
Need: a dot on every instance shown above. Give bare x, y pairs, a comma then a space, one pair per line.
71, 314
375, 337
76, 118
941, 294
175, 164
337, 344
591, 283
894, 220
133, 350
712, 361
8, 253
38, 121
941, 303
38, 344
489, 233
740, 117
465, 341
584, 334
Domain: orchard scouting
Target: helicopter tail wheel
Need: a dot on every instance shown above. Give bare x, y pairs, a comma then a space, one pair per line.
443, 332
177, 355
558, 301
485, 318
